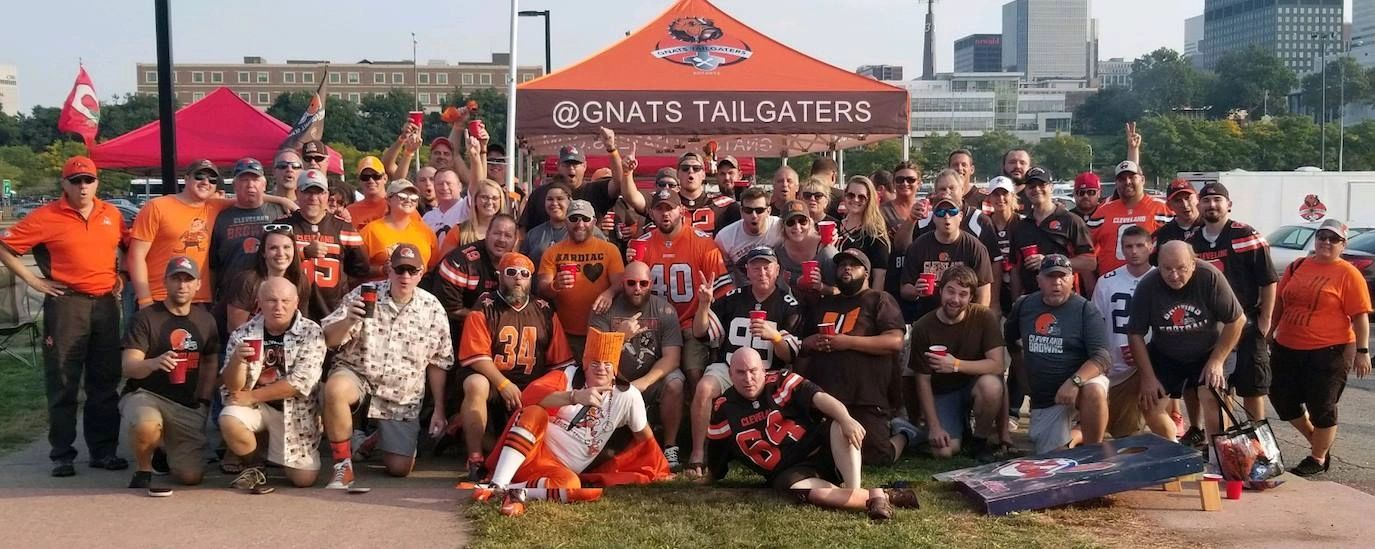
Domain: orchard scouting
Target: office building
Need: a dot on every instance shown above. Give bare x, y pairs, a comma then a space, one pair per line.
1047, 38
1363, 32
881, 72
1193, 35
259, 82
1297, 31
979, 53
9, 90
971, 104
1115, 73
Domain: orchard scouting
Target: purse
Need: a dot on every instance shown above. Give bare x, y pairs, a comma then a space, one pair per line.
1247, 451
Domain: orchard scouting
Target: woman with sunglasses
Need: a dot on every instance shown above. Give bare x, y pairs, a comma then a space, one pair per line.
816, 194
903, 209
400, 224
277, 256
800, 244
1320, 336
863, 227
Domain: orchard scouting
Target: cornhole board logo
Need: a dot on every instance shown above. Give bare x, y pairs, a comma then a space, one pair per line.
1312, 208
697, 42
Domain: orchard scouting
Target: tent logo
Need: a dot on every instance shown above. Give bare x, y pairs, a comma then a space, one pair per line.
689, 45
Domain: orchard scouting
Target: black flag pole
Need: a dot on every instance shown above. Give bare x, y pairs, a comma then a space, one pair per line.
167, 124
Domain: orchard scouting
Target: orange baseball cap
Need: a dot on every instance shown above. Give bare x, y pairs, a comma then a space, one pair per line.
370, 163
78, 165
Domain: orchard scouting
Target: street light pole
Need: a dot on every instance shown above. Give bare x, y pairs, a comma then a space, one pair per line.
548, 60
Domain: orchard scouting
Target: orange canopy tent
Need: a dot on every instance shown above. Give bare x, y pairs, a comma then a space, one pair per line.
696, 73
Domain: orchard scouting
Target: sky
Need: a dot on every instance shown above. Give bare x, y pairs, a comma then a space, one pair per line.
113, 35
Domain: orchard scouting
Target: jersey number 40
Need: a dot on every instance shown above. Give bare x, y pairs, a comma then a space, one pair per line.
675, 285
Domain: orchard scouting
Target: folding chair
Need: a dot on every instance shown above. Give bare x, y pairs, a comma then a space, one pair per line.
20, 306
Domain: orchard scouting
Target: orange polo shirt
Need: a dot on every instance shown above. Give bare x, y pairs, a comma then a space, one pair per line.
78, 252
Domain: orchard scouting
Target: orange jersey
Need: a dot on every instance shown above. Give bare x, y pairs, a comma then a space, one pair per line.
678, 265
379, 239
1110, 219
523, 343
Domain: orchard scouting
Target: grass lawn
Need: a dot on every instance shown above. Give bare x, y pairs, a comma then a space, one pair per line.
740, 513
23, 404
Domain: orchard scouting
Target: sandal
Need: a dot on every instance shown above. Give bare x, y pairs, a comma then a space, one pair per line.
695, 471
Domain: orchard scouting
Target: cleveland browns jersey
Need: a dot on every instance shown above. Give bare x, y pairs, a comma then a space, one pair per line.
1111, 219
728, 324
464, 275
343, 259
677, 265
779, 429
709, 211
1243, 256
522, 342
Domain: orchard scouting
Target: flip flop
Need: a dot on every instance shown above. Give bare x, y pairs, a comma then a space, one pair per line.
358, 490
695, 471
262, 490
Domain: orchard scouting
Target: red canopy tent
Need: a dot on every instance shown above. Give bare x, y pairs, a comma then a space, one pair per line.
695, 73
222, 127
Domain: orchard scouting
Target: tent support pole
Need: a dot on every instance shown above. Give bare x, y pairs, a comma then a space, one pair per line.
167, 122
840, 164
907, 147
511, 98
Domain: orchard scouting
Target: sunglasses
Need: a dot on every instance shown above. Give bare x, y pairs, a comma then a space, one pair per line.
1086, 192
579, 219
857, 197
636, 283
813, 196
316, 159
407, 197
287, 165
904, 180
1330, 238
690, 168
203, 177
81, 180
405, 270
370, 177
794, 221
755, 211
516, 272
666, 184
946, 212
282, 228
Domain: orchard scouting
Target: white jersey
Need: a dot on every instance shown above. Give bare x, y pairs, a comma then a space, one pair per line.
1113, 297
441, 222
578, 445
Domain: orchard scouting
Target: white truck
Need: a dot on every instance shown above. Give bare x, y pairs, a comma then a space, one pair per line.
1270, 200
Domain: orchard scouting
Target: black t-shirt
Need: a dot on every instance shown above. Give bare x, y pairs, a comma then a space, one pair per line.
194, 337
969, 339
853, 377
875, 249
1184, 323
928, 254
331, 276
596, 192
729, 323
234, 240
274, 363
775, 431
1243, 256
1168, 232
974, 223
1060, 232
1004, 238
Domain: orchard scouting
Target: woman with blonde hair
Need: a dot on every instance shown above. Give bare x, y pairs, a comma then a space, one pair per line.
863, 227
489, 199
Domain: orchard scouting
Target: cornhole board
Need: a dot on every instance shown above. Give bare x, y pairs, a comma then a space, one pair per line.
1076, 474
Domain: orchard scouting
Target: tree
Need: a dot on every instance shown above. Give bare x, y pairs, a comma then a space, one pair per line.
1105, 112
1165, 80
935, 150
1063, 155
39, 129
1173, 143
1254, 80
1343, 70
127, 114
873, 157
989, 148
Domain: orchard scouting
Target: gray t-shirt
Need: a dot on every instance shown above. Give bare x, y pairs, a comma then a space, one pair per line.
1184, 324
659, 329
540, 238
735, 242
1055, 341
789, 271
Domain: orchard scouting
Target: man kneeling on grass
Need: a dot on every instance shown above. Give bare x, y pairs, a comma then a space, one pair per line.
548, 448
786, 429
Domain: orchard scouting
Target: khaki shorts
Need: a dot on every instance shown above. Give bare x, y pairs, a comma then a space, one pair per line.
183, 429
1050, 426
721, 373
261, 418
1124, 407
696, 354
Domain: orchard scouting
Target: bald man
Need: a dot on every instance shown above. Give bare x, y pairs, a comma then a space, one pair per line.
1194, 321
270, 385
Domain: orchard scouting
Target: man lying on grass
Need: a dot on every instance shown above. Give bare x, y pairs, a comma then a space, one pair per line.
548, 449
786, 429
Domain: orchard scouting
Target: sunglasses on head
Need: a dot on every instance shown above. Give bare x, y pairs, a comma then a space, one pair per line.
407, 197
282, 228
636, 283
856, 196
756, 211
813, 195
579, 218
370, 177
81, 180
798, 220
287, 165
203, 177
690, 168
946, 212
1086, 192
905, 179
406, 270
516, 272
316, 159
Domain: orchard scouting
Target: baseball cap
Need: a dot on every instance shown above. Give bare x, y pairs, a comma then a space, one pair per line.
760, 252
1087, 180
601, 173
1001, 183
442, 141
1056, 263
662, 196
728, 160
312, 179
1037, 174
852, 254
370, 163
398, 186
203, 165
943, 198
583, 208
515, 259
78, 165
248, 165
182, 264
688, 155
406, 254
571, 153
1127, 166
794, 208
1179, 186
314, 148
1335, 226
1214, 188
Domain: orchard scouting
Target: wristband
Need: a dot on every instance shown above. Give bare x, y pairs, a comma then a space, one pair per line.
1363, 350
614, 152
503, 384
777, 338
957, 365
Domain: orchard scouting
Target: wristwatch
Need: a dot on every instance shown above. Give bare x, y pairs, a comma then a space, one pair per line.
1077, 381
1363, 350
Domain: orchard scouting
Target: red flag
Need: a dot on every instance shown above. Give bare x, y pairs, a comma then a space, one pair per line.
81, 113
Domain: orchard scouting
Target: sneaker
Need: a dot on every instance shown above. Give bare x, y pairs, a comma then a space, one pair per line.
671, 456
110, 463
343, 476
513, 503
477, 468
904, 428
142, 480
904, 498
483, 492
1178, 421
63, 469
1192, 438
249, 479
1309, 466
879, 509
160, 467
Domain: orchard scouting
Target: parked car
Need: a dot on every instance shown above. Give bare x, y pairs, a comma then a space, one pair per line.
24, 210
1360, 251
128, 212
1291, 242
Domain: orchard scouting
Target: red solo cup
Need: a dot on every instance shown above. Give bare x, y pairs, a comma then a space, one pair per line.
937, 350
811, 270
257, 345
827, 230
828, 328
757, 315
1127, 353
178, 374
930, 279
1211, 477
639, 246
474, 128
570, 268
1234, 489
1028, 251
417, 118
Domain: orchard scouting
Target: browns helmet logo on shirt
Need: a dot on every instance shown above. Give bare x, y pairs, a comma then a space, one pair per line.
182, 340
1047, 324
